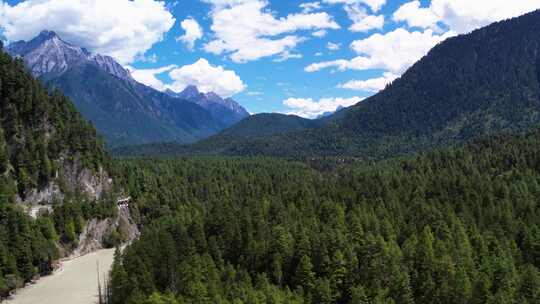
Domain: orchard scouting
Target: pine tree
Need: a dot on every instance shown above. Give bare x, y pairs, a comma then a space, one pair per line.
156, 298
463, 289
277, 272
530, 285
304, 276
120, 283
359, 296
424, 282
4, 157
338, 274
323, 292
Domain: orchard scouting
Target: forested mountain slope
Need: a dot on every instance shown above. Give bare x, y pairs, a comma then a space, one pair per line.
268, 124
252, 127
471, 85
127, 112
48, 154
450, 226
41, 132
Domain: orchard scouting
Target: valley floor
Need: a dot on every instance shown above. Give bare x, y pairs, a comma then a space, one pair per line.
74, 283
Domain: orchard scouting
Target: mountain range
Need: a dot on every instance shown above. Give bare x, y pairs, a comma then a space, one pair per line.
226, 111
478, 84
124, 111
454, 225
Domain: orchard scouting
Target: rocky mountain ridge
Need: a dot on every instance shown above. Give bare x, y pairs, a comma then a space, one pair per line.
49, 54
124, 111
226, 110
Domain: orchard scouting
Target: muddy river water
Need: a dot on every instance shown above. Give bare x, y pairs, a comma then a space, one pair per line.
75, 282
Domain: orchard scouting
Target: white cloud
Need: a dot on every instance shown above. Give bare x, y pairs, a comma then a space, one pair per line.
374, 5
287, 55
153, 58
462, 16
415, 16
308, 7
202, 74
370, 85
394, 51
193, 32
148, 76
207, 78
123, 29
221, 4
309, 108
333, 46
368, 23
362, 21
319, 33
246, 30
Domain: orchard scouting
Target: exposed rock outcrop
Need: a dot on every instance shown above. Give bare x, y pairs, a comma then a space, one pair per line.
96, 231
71, 177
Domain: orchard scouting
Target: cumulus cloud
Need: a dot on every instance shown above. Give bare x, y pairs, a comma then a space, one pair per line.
207, 78
333, 46
148, 76
123, 29
319, 33
309, 108
394, 51
368, 23
193, 32
246, 30
287, 55
374, 5
461, 16
415, 16
362, 21
308, 7
373, 85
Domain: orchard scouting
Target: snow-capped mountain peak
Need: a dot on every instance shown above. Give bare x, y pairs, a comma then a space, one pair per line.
47, 53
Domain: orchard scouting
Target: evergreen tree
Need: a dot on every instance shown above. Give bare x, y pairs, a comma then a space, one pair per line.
4, 157
304, 276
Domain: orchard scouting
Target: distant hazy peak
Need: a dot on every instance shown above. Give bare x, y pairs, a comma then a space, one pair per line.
206, 100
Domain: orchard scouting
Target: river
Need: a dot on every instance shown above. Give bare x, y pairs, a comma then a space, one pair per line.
75, 282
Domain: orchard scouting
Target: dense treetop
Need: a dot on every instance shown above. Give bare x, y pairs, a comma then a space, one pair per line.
449, 226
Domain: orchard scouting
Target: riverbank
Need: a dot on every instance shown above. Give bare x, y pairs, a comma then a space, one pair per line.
75, 282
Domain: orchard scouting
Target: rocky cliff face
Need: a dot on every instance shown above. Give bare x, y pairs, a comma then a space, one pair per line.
96, 232
71, 176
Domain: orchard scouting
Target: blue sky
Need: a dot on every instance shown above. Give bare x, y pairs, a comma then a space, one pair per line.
297, 56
